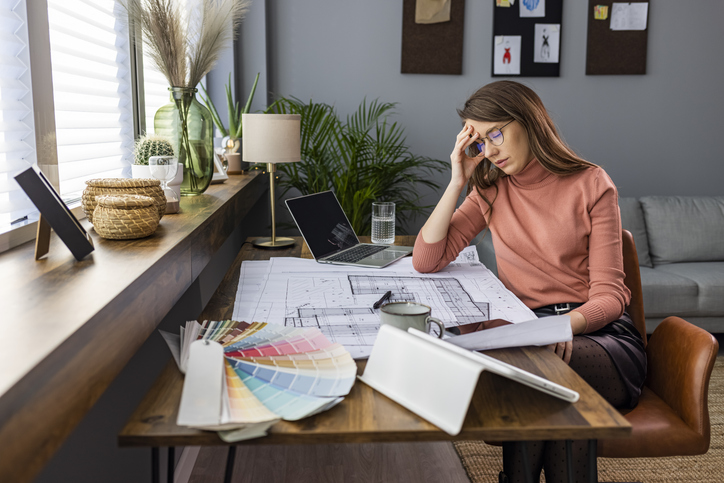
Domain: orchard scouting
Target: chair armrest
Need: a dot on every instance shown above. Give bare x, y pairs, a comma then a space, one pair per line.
680, 360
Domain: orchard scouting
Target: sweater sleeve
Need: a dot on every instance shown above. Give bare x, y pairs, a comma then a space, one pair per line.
466, 222
607, 295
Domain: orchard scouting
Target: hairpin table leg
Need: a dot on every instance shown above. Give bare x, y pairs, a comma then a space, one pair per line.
155, 469
170, 464
592, 461
230, 464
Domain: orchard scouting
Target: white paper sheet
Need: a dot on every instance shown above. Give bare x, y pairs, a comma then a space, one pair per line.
547, 43
338, 299
629, 16
532, 8
543, 331
506, 54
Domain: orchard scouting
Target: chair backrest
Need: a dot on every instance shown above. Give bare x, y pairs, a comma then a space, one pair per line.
633, 281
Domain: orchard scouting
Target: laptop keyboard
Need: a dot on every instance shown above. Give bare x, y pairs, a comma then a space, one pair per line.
356, 254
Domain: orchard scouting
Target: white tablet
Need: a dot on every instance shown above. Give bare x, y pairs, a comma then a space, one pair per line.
503, 369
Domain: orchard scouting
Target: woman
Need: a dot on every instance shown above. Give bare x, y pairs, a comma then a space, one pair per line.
556, 228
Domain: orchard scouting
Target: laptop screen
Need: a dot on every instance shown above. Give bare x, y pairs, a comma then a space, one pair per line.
323, 223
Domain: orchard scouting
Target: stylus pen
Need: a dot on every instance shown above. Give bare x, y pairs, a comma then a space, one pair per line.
379, 303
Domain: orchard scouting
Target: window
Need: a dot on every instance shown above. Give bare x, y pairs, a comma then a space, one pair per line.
155, 89
17, 138
89, 50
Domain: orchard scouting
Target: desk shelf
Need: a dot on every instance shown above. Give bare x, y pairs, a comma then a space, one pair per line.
70, 327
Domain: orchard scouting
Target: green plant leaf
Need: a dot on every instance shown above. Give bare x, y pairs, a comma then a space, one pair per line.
212, 109
363, 159
234, 110
247, 107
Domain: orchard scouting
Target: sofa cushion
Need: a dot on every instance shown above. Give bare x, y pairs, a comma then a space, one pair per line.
632, 219
684, 229
668, 293
709, 277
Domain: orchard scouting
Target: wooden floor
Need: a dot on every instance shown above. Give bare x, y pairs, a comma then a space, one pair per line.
334, 463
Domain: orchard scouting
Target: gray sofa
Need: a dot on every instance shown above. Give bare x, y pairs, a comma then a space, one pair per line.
680, 245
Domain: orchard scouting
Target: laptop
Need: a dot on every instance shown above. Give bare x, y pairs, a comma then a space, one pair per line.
330, 236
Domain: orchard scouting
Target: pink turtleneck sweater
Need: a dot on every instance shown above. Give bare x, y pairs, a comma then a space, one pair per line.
557, 239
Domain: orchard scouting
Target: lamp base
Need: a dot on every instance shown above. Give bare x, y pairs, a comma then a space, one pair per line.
279, 242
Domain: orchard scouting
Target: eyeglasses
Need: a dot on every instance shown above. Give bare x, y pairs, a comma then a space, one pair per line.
495, 137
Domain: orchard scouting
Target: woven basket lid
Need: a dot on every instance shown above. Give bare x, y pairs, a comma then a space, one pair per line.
124, 201
122, 182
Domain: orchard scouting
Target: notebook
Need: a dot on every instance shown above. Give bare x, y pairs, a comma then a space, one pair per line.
330, 236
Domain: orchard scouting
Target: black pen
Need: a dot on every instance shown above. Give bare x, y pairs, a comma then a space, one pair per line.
379, 303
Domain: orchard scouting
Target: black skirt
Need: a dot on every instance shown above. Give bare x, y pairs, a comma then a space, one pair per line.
624, 346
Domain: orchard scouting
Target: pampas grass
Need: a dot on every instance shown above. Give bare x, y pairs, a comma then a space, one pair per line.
183, 50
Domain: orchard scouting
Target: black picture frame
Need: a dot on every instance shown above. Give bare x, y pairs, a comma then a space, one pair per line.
55, 212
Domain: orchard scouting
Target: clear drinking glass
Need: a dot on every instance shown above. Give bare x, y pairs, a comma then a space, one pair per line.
383, 222
164, 168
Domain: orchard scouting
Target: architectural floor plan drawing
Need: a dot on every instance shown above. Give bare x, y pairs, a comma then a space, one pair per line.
462, 309
351, 327
338, 299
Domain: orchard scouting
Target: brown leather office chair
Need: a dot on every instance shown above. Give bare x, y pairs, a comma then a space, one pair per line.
672, 416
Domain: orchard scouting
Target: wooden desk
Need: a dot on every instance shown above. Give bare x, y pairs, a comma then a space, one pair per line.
500, 411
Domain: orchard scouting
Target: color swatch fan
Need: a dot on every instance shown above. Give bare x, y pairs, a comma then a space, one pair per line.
242, 378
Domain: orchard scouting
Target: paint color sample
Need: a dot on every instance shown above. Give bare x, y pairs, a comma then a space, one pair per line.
275, 372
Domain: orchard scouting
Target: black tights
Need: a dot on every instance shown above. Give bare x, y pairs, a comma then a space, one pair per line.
594, 365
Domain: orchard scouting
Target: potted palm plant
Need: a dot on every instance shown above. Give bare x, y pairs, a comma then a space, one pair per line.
363, 159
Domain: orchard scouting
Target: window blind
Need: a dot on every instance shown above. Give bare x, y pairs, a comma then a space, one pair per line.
17, 140
89, 50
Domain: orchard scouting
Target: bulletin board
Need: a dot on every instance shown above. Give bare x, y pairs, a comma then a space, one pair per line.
432, 48
614, 52
519, 30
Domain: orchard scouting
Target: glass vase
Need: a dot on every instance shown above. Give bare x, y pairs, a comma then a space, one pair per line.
189, 127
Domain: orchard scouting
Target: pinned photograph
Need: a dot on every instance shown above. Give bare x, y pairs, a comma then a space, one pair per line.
506, 55
547, 43
532, 8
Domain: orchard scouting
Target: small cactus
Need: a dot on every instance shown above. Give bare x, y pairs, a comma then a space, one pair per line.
151, 145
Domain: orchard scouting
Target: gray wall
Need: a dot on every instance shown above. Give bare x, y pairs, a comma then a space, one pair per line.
655, 134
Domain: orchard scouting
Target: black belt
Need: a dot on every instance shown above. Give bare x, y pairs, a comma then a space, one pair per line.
557, 309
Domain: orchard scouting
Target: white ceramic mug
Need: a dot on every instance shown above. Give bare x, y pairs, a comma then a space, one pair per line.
404, 315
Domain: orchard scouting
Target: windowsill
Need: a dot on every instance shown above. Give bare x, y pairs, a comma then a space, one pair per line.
70, 327
16, 234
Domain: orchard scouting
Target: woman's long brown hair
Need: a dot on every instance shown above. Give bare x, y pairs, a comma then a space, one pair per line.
503, 101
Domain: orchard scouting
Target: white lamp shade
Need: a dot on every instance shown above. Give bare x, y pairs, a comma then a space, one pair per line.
271, 138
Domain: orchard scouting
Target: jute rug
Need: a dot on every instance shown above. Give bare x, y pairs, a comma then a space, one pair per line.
483, 462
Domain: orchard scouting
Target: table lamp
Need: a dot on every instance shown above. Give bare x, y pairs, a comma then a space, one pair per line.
271, 139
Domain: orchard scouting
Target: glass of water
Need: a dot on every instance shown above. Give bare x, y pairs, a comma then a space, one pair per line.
383, 222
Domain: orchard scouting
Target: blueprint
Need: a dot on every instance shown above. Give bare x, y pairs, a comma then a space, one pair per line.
338, 299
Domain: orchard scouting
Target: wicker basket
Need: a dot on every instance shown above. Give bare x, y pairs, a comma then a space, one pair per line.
115, 186
124, 217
